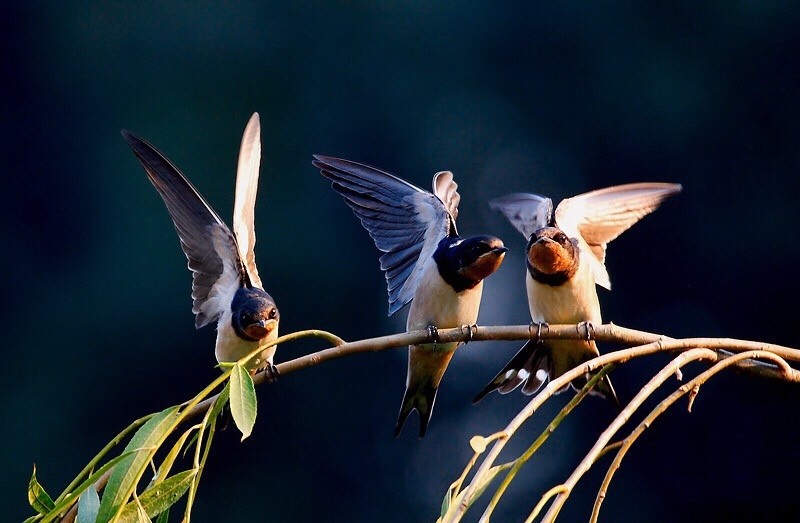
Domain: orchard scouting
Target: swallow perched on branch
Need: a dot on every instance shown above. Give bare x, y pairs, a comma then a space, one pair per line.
226, 286
425, 261
565, 261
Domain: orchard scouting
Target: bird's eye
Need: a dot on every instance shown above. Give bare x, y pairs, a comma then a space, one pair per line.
561, 238
481, 248
272, 313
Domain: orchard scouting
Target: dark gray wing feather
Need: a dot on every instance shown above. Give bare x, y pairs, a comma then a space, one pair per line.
523, 369
207, 242
526, 212
403, 220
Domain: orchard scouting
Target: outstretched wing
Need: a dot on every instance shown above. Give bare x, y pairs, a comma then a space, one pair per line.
405, 222
207, 242
597, 217
526, 212
245, 202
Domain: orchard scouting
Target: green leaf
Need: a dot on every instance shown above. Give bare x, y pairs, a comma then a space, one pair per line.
169, 460
448, 500
158, 498
123, 478
243, 400
37, 497
216, 409
33, 519
220, 402
163, 517
72, 497
88, 505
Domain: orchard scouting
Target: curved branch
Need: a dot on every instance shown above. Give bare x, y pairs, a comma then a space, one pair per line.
606, 333
622, 418
538, 442
614, 333
647, 342
684, 389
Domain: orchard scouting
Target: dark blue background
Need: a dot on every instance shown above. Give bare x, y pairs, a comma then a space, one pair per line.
525, 96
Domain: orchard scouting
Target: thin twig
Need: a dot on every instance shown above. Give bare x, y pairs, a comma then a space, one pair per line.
687, 388
547, 495
618, 334
546, 433
622, 418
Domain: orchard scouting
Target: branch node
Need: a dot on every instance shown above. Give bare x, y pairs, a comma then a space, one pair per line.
692, 395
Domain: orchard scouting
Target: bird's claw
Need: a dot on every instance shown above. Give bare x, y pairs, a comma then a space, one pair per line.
539, 326
433, 332
471, 330
271, 372
589, 329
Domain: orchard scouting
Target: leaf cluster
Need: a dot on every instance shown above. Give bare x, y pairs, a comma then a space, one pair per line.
157, 443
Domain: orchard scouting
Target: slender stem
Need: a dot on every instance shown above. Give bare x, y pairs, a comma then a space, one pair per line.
545, 498
520, 461
651, 386
72, 497
191, 404
182, 415
612, 332
456, 487
111, 444
199, 463
608, 448
687, 388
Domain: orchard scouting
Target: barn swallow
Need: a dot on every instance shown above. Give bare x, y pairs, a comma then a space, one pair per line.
426, 263
565, 262
226, 285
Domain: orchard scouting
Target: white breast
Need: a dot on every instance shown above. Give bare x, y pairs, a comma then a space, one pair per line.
231, 347
436, 303
572, 302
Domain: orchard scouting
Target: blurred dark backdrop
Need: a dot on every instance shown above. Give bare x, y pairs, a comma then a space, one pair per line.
524, 96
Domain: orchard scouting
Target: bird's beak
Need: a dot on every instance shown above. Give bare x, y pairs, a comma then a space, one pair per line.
500, 250
262, 329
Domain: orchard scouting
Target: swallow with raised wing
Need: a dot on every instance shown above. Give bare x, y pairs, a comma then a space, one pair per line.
226, 286
566, 254
426, 263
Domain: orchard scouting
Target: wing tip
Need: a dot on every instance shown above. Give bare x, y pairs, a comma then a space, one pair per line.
485, 392
131, 138
675, 188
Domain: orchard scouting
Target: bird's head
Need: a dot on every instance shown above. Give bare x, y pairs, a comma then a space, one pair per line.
465, 262
551, 251
254, 314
